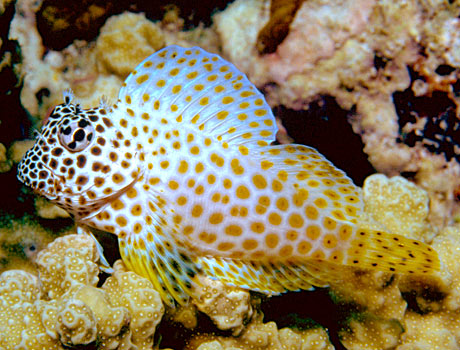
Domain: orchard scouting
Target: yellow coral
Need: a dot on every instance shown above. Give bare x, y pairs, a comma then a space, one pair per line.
60, 271
431, 331
47, 210
228, 307
5, 162
63, 305
137, 295
184, 314
20, 323
396, 203
372, 334
76, 323
125, 40
265, 336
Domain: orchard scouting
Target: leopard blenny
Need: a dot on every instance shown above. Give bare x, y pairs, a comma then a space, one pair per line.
182, 169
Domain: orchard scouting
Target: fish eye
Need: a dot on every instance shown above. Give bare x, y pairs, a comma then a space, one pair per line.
76, 136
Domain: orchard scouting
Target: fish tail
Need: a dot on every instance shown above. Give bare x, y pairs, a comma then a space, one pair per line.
375, 249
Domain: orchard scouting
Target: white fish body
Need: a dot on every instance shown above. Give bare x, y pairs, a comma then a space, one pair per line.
182, 169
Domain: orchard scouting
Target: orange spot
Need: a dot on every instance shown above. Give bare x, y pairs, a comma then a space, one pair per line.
242, 192
329, 223
303, 247
259, 181
345, 232
320, 203
318, 254
329, 241
233, 230
285, 251
271, 240
313, 232
257, 227
250, 244
274, 219
311, 212
216, 218
225, 246
282, 204
197, 211
142, 79
277, 186
121, 221
292, 235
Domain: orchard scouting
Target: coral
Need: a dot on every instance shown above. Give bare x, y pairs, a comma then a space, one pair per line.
125, 40
128, 290
85, 314
186, 315
61, 23
317, 30
432, 331
20, 323
20, 241
5, 163
228, 307
371, 333
63, 306
273, 33
39, 74
59, 272
47, 210
18, 148
264, 336
398, 204
375, 293
360, 54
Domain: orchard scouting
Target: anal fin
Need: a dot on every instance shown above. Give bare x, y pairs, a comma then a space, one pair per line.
171, 271
267, 277
379, 250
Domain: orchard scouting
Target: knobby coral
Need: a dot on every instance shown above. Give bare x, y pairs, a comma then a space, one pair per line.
63, 306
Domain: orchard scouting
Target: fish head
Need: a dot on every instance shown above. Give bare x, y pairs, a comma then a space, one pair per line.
78, 161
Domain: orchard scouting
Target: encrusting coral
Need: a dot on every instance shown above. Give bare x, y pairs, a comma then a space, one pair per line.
395, 65
228, 307
264, 336
63, 306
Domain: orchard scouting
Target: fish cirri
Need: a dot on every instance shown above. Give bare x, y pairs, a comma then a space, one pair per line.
183, 170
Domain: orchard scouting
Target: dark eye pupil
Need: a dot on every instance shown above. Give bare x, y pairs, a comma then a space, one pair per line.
79, 135
82, 123
72, 145
67, 130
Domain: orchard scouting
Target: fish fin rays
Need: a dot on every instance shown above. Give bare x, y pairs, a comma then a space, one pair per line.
375, 249
200, 90
266, 277
156, 255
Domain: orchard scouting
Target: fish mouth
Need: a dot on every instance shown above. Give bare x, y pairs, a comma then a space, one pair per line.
48, 187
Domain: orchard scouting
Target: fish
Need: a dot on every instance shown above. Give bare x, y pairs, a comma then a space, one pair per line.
184, 169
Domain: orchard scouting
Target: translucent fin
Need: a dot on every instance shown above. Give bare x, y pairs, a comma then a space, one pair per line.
103, 263
200, 90
265, 277
154, 254
170, 271
309, 172
375, 249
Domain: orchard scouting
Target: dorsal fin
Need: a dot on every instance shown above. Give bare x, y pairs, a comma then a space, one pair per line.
196, 88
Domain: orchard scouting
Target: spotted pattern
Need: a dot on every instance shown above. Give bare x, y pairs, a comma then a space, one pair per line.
181, 169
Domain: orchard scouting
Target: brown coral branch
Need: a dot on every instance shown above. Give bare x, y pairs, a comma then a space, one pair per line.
282, 14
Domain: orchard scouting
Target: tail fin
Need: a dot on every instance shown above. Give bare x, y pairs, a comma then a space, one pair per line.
379, 250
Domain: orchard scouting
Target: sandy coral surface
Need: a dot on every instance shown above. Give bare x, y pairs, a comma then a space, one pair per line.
394, 66
63, 306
